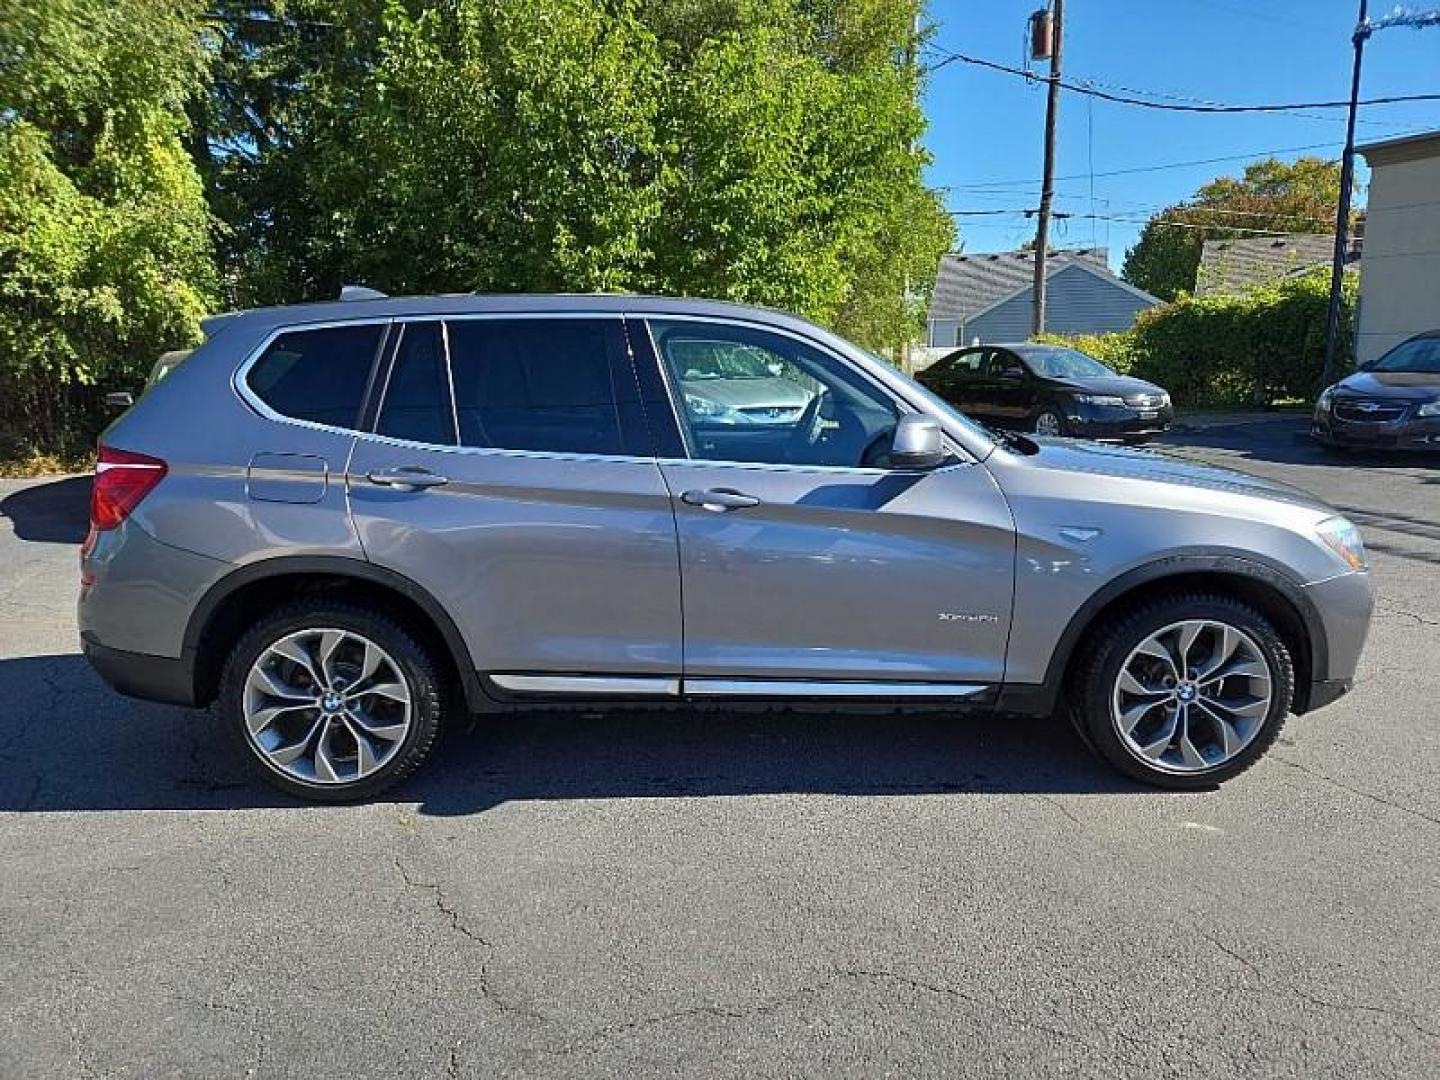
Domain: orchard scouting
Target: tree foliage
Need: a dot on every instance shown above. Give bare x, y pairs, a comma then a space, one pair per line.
755, 151
1272, 195
1260, 346
105, 256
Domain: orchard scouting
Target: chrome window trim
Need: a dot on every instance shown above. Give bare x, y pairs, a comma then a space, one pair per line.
903, 406
242, 389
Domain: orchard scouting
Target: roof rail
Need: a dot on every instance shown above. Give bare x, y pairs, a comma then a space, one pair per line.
360, 292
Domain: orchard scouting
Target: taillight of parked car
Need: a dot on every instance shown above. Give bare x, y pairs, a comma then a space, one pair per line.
122, 479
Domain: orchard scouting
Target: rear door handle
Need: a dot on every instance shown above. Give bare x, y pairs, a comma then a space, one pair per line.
719, 500
411, 477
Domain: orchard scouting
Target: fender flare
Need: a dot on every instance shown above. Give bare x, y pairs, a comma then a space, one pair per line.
1041, 699
338, 566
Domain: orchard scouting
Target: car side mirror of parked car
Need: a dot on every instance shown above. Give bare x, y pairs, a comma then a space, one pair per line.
917, 443
1016, 372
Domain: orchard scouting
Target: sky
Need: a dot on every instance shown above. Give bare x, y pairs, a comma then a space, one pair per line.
986, 128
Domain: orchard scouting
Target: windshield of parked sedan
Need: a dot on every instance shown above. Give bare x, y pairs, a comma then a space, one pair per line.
1418, 354
1065, 364
719, 360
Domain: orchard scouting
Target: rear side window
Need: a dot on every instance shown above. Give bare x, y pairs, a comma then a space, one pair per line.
417, 397
534, 384
317, 375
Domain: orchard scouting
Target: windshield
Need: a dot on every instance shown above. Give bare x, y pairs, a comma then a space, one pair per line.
1065, 364
720, 360
1417, 354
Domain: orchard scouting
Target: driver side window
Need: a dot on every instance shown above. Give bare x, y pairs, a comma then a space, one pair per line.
750, 395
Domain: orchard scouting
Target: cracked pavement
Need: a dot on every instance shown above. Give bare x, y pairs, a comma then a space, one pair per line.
728, 894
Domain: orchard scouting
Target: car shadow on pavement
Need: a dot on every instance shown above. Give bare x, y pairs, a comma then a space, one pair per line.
68, 743
53, 513
1285, 440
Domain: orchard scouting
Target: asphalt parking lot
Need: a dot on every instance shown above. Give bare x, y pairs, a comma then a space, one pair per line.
720, 894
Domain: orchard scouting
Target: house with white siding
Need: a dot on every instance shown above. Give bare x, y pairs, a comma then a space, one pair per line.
1400, 273
987, 297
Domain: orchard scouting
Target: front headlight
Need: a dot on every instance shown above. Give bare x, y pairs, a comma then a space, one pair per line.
1430, 408
1342, 537
1322, 403
1100, 399
712, 411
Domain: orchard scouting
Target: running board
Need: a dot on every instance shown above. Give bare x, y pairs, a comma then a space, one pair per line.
652, 686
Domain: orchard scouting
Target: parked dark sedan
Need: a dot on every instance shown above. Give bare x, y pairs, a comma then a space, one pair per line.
1390, 403
1050, 390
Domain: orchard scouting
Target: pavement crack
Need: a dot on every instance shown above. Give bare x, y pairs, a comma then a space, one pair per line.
719, 1012
1272, 984
1380, 799
946, 990
1384, 607
446, 909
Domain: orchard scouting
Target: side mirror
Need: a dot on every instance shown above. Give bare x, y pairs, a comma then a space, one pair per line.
119, 399
1013, 373
917, 443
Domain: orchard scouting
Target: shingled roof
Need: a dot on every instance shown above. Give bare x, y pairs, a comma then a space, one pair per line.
1231, 266
967, 284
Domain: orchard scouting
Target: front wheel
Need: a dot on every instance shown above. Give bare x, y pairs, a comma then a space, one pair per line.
331, 701
1049, 422
1186, 691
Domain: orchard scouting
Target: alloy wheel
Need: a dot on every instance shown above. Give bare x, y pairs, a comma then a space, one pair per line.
1191, 696
326, 706
1047, 423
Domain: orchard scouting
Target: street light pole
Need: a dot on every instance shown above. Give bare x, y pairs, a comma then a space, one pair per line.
1047, 183
1342, 215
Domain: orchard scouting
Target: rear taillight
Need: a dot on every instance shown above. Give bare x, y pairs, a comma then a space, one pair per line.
122, 479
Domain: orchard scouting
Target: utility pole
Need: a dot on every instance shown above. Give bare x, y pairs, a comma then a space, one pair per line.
1342, 215
1047, 183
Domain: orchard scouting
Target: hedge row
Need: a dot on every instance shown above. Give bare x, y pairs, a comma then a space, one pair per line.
1254, 348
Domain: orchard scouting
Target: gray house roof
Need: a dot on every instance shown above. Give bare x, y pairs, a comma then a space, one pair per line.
1230, 266
968, 284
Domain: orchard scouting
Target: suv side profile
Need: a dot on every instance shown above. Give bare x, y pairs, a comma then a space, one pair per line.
344, 525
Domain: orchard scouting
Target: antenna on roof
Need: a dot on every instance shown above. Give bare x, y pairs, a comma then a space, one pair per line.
360, 292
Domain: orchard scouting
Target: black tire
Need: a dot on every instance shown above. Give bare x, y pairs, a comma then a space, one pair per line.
1061, 428
1098, 670
428, 696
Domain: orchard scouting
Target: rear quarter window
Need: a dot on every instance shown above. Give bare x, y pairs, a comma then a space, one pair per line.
317, 375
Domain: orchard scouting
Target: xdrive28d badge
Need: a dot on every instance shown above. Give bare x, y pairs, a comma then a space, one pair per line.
348, 526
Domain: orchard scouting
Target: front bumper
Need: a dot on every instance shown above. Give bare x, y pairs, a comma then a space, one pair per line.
1344, 605
1117, 422
1405, 432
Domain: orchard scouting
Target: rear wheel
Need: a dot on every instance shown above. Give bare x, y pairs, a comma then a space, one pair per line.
331, 701
1185, 692
1049, 422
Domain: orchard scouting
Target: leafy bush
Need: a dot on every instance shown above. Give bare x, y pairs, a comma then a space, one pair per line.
1247, 349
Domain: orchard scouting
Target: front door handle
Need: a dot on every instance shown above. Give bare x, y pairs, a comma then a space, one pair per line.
719, 500
409, 477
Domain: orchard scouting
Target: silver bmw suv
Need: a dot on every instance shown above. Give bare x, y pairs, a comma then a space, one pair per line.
346, 525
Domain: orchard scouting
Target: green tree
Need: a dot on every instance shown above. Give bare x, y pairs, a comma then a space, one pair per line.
105, 256
755, 151
1272, 195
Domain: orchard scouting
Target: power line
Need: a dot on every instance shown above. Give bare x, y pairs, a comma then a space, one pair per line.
1125, 99
1159, 219
1158, 168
